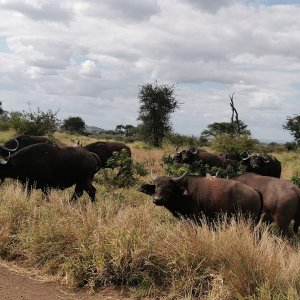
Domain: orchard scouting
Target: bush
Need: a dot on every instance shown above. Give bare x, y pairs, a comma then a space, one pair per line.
233, 143
4, 125
125, 171
182, 140
34, 123
295, 180
291, 146
197, 168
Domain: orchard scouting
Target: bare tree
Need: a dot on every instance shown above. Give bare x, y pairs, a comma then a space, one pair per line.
236, 122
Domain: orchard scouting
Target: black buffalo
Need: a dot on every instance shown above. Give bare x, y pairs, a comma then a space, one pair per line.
45, 166
193, 154
264, 164
22, 141
230, 155
194, 196
105, 150
281, 199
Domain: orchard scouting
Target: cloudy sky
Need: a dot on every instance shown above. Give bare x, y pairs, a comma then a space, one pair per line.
89, 58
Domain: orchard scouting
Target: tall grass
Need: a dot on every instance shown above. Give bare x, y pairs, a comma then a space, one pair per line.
290, 162
123, 240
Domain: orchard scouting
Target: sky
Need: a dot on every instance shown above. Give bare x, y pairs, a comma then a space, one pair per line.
89, 58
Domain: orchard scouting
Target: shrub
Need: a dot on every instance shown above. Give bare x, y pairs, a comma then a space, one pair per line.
34, 123
198, 168
125, 171
182, 140
291, 146
296, 180
4, 125
233, 143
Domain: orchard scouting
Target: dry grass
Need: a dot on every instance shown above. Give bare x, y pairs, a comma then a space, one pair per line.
290, 162
124, 240
6, 135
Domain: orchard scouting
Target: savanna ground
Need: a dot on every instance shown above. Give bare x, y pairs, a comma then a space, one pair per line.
125, 243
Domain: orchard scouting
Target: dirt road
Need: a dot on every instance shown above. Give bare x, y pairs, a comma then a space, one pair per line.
18, 284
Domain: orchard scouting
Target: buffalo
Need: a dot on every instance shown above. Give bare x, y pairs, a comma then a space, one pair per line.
281, 199
21, 142
45, 166
193, 196
193, 154
264, 164
105, 150
230, 155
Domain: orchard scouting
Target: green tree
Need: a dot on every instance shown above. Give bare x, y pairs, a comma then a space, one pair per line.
34, 123
157, 102
293, 125
126, 130
218, 128
3, 114
4, 119
74, 125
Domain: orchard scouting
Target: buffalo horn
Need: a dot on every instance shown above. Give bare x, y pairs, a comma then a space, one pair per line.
194, 150
10, 150
266, 158
180, 177
176, 150
244, 155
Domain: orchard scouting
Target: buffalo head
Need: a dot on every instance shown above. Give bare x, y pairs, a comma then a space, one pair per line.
4, 158
186, 156
164, 189
256, 161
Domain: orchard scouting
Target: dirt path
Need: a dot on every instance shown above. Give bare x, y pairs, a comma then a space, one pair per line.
19, 284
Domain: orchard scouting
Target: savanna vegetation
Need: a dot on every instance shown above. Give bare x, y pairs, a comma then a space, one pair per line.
124, 241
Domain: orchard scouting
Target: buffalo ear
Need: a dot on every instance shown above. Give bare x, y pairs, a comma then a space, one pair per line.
148, 189
183, 191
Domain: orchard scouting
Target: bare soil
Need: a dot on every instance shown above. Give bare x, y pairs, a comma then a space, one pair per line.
20, 284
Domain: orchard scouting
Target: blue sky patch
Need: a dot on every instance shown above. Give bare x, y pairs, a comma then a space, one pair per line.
3, 46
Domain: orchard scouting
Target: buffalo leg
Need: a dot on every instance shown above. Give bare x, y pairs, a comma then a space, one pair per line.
77, 193
283, 225
45, 192
91, 190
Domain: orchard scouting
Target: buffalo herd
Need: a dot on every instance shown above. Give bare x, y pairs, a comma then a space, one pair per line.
259, 193
262, 194
40, 163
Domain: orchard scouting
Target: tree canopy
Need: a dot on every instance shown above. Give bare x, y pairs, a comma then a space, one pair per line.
218, 128
74, 125
293, 125
157, 102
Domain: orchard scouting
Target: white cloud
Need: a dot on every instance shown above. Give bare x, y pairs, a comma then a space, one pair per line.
97, 54
89, 68
208, 5
53, 10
